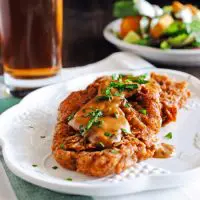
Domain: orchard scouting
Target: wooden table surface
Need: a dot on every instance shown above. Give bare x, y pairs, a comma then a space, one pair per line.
83, 42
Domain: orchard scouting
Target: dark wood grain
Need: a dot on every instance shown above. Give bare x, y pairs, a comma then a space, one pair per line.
83, 40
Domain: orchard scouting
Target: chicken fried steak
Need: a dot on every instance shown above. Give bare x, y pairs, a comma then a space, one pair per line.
113, 123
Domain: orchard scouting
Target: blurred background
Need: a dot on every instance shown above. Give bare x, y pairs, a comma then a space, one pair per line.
83, 42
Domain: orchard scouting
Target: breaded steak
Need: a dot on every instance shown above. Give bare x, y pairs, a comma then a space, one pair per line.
113, 123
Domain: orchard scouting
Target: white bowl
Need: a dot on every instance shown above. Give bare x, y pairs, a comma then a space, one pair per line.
181, 57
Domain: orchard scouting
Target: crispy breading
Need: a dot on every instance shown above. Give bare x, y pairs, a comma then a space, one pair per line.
71, 150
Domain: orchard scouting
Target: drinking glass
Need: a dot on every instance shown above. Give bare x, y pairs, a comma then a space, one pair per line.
31, 39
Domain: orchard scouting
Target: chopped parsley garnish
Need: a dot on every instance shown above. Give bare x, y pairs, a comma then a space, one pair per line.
115, 77
141, 79
42, 136
98, 123
103, 98
168, 135
34, 165
128, 81
106, 95
127, 105
130, 86
138, 79
116, 115
84, 110
62, 146
100, 144
114, 151
68, 179
107, 91
94, 120
118, 84
120, 77
143, 111
82, 130
70, 117
125, 131
107, 134
117, 94
121, 86
54, 167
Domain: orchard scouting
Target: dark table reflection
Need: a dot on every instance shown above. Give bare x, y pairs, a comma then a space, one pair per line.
83, 24
83, 40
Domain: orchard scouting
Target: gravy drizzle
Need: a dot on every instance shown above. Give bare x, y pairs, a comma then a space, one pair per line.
101, 120
111, 125
164, 151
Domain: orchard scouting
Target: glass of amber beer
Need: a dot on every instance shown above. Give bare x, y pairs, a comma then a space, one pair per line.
31, 37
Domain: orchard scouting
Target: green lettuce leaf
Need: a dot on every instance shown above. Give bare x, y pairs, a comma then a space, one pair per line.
124, 8
194, 28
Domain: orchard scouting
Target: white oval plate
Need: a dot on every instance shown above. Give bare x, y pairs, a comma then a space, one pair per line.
22, 126
183, 57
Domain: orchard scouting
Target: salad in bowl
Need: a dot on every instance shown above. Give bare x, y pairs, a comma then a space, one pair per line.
175, 26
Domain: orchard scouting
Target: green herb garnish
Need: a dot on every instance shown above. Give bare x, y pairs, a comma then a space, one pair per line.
34, 165
127, 105
84, 110
121, 86
125, 131
128, 81
54, 167
82, 129
120, 77
117, 94
118, 84
62, 146
100, 144
107, 91
70, 117
94, 120
168, 135
103, 98
116, 115
68, 179
143, 111
141, 79
114, 151
107, 134
138, 79
106, 94
115, 77
98, 123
